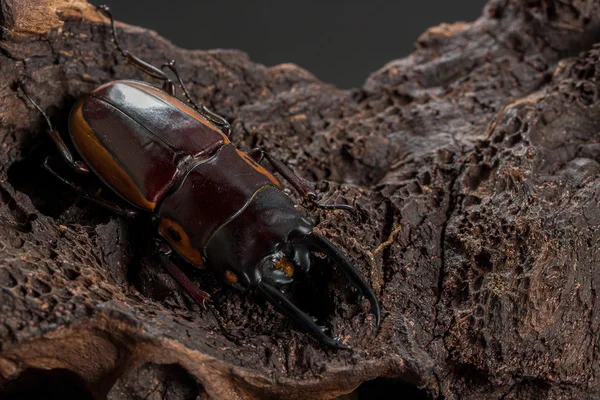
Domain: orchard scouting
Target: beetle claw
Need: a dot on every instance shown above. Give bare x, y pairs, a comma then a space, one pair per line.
275, 297
324, 245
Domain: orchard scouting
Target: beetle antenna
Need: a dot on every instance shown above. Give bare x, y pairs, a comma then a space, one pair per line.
312, 199
20, 86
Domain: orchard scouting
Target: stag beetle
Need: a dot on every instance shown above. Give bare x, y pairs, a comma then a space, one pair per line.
211, 203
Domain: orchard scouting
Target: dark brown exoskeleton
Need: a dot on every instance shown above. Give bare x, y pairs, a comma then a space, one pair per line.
212, 203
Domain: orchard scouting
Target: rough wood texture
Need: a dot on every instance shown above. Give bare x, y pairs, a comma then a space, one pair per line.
475, 161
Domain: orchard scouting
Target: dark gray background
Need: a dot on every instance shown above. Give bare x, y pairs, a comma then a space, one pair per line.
341, 42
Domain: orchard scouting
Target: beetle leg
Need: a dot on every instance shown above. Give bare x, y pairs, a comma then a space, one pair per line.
216, 119
158, 73
78, 166
199, 296
124, 212
286, 307
321, 244
136, 61
258, 155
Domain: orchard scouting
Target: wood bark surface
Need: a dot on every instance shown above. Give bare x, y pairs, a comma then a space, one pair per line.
474, 162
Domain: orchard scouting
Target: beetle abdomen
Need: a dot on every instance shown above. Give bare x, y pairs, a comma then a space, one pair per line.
134, 135
213, 192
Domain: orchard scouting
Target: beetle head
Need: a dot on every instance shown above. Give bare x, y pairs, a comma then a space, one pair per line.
253, 245
263, 246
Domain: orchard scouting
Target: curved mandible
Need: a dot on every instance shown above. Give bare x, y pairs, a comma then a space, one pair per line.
287, 308
320, 243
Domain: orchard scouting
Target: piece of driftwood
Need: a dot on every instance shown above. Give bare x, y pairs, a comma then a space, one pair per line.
475, 162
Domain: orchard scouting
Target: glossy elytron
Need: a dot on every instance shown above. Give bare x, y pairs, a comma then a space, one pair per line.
212, 203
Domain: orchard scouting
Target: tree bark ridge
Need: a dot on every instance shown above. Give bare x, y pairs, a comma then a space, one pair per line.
475, 161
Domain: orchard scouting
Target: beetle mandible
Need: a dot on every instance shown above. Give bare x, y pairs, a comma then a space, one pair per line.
212, 204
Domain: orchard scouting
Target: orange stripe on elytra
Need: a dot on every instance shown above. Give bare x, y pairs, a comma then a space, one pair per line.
258, 168
102, 162
179, 239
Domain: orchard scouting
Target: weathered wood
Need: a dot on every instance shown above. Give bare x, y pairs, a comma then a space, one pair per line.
475, 161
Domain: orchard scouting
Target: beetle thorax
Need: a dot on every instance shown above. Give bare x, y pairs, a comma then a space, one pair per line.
262, 232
